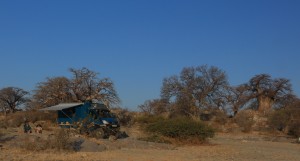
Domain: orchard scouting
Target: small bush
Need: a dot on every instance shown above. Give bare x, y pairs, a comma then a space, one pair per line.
33, 143
221, 117
59, 141
126, 118
294, 123
286, 120
279, 119
295, 129
182, 129
245, 120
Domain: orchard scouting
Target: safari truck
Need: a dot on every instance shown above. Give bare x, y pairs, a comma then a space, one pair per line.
91, 117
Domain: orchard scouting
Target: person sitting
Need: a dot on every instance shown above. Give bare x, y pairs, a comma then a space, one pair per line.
27, 128
38, 129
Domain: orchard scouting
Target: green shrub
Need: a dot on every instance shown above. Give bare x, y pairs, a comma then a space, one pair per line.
181, 129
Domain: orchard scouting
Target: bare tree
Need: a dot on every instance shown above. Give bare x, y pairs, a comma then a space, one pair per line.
210, 85
51, 92
237, 97
155, 106
85, 85
195, 88
146, 107
4, 107
11, 98
269, 92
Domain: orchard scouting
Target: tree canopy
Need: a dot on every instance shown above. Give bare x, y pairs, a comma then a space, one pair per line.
83, 86
11, 98
196, 87
207, 87
270, 92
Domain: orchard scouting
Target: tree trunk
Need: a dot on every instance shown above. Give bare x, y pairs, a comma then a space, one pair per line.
264, 104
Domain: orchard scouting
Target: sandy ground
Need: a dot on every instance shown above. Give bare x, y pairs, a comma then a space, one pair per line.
239, 147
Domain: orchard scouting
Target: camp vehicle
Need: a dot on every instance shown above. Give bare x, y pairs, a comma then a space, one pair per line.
91, 117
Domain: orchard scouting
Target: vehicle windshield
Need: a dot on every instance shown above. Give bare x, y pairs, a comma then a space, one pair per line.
101, 114
106, 114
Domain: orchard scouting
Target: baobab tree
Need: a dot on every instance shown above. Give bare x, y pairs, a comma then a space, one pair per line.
196, 88
51, 92
269, 92
11, 98
83, 86
237, 97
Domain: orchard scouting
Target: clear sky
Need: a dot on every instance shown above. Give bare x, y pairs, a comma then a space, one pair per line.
138, 43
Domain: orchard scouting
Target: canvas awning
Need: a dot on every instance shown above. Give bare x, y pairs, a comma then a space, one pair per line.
61, 106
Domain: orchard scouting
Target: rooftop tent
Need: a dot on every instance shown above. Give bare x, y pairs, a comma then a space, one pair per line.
61, 106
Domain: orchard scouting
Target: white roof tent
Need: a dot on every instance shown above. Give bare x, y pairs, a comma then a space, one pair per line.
61, 106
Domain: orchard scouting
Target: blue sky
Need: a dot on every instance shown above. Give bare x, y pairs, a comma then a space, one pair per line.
138, 43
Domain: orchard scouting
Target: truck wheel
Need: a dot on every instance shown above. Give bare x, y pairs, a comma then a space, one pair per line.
98, 133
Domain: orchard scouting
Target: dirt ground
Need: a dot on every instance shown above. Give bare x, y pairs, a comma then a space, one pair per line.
224, 146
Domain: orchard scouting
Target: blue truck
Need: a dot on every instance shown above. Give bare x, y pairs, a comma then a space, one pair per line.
91, 117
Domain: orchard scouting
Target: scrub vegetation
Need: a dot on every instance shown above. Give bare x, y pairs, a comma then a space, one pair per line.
196, 107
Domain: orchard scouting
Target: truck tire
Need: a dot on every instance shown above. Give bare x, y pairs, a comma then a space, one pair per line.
99, 133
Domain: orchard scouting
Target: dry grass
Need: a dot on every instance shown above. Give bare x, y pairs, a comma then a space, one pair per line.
60, 140
245, 120
17, 119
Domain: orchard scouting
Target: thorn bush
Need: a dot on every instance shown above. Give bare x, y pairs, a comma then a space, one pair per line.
182, 129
